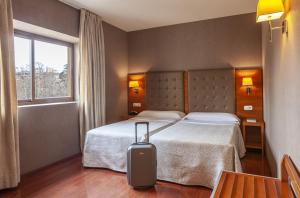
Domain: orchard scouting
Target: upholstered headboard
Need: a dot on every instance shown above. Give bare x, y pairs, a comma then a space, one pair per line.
211, 90
164, 91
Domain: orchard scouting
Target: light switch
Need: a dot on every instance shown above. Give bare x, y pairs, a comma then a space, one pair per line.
248, 108
136, 104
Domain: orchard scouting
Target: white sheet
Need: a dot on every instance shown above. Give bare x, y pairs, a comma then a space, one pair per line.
162, 114
106, 146
193, 153
213, 117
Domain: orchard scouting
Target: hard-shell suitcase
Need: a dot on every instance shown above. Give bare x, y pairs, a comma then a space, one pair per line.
141, 162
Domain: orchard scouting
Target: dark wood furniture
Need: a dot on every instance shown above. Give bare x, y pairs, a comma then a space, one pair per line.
255, 99
261, 128
139, 96
244, 185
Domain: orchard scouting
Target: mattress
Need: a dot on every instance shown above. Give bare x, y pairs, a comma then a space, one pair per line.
193, 153
106, 146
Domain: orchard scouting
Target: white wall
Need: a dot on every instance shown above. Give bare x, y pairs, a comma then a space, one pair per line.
281, 62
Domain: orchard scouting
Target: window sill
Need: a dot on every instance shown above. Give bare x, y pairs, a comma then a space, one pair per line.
45, 101
46, 104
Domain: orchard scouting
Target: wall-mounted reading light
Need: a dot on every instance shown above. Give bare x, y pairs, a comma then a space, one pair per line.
268, 10
247, 81
134, 84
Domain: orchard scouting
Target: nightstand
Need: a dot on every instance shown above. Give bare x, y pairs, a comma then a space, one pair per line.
261, 126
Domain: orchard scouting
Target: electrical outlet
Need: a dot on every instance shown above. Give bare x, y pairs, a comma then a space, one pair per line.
248, 108
136, 104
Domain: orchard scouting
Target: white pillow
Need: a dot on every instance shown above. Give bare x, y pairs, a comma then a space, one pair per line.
212, 117
162, 114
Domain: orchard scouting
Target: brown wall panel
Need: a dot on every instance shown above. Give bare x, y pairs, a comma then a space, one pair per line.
136, 97
48, 133
50, 14
217, 43
255, 98
116, 58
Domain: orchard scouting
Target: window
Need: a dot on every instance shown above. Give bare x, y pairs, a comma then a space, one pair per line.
43, 69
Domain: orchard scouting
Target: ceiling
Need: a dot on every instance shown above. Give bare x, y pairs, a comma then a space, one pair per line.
131, 15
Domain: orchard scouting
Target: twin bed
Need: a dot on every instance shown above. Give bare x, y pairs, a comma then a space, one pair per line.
106, 146
192, 149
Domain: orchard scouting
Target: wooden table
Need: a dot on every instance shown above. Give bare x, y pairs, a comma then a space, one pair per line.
244, 185
232, 184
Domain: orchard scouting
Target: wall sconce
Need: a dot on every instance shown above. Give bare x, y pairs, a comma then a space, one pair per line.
247, 81
268, 10
134, 84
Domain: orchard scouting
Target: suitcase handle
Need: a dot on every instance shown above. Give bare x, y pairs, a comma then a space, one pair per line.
141, 123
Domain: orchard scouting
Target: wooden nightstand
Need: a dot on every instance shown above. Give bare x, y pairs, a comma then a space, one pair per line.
260, 145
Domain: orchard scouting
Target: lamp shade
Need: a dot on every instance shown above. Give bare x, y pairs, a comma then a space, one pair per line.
268, 10
247, 81
133, 83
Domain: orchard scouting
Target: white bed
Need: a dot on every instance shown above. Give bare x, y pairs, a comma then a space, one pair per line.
192, 151
106, 146
196, 149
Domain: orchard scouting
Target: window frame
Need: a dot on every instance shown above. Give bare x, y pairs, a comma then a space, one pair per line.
34, 37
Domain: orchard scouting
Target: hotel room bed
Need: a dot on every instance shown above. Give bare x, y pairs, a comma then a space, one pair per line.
106, 146
194, 152
191, 151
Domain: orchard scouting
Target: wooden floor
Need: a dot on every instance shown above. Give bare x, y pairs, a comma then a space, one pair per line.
68, 179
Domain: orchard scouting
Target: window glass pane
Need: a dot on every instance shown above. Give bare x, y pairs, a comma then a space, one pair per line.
23, 68
52, 71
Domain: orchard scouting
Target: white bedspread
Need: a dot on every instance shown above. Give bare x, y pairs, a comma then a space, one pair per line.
106, 146
191, 153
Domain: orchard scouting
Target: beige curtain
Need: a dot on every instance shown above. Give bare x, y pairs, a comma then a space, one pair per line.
91, 73
9, 137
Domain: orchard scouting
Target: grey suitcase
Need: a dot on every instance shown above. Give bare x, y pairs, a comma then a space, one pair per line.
141, 162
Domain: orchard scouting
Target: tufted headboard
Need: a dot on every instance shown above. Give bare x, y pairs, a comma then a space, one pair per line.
211, 90
164, 91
